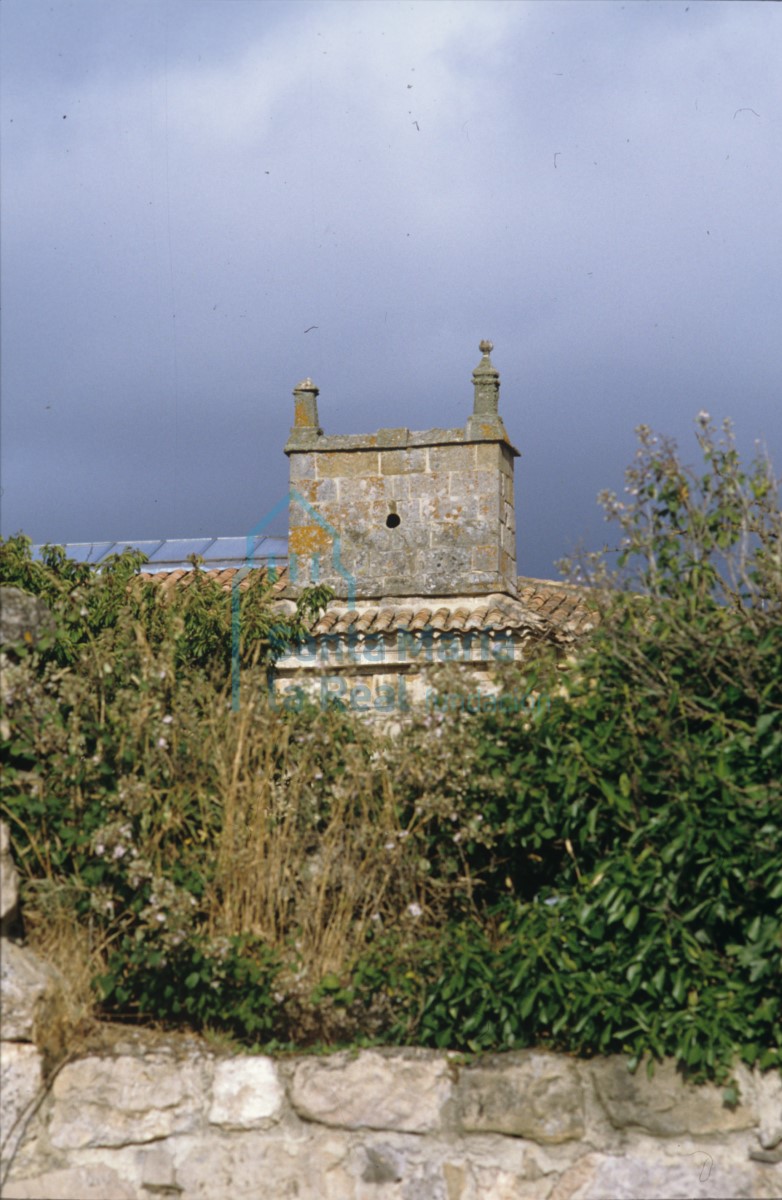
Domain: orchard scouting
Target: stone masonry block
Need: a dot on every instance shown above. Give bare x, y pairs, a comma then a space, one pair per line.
390, 563
529, 1095
372, 1091
316, 491
302, 466
348, 464
307, 540
393, 437
507, 539
246, 1093
489, 456
28, 989
124, 1100
21, 1078
452, 458
485, 559
403, 462
356, 518
506, 463
466, 534
695, 1174
398, 486
664, 1105
489, 509
443, 569
9, 883
367, 487
448, 510
93, 1182
433, 484
473, 483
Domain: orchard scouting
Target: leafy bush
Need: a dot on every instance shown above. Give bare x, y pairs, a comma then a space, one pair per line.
223, 986
199, 619
619, 844
598, 873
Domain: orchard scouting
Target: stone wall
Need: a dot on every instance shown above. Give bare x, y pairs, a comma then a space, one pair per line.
172, 1117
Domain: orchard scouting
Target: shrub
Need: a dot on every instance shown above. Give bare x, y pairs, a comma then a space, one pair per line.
599, 873
627, 872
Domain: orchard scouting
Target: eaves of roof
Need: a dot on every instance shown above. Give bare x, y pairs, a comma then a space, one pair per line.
543, 608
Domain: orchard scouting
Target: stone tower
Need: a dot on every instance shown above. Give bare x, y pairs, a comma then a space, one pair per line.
398, 513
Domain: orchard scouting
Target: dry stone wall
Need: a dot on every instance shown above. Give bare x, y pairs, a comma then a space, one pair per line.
174, 1118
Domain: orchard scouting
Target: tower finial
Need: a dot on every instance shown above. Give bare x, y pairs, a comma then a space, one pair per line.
486, 381
305, 396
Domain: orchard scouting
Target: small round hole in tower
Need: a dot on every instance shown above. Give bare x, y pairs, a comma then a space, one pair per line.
393, 520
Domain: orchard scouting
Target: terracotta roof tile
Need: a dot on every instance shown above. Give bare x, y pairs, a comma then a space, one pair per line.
222, 576
477, 618
440, 619
366, 620
326, 623
459, 619
384, 619
420, 619
403, 618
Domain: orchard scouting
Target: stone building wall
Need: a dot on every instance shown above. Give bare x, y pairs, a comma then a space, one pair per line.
418, 513
396, 512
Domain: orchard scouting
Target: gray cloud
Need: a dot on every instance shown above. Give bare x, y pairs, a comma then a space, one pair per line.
190, 186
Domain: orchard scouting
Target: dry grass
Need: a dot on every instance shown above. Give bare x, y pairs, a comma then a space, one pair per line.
78, 955
303, 864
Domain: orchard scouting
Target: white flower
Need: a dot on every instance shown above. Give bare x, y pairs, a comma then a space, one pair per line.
704, 417
415, 910
119, 852
167, 719
162, 743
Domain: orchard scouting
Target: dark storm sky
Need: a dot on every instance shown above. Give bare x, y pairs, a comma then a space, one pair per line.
189, 186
